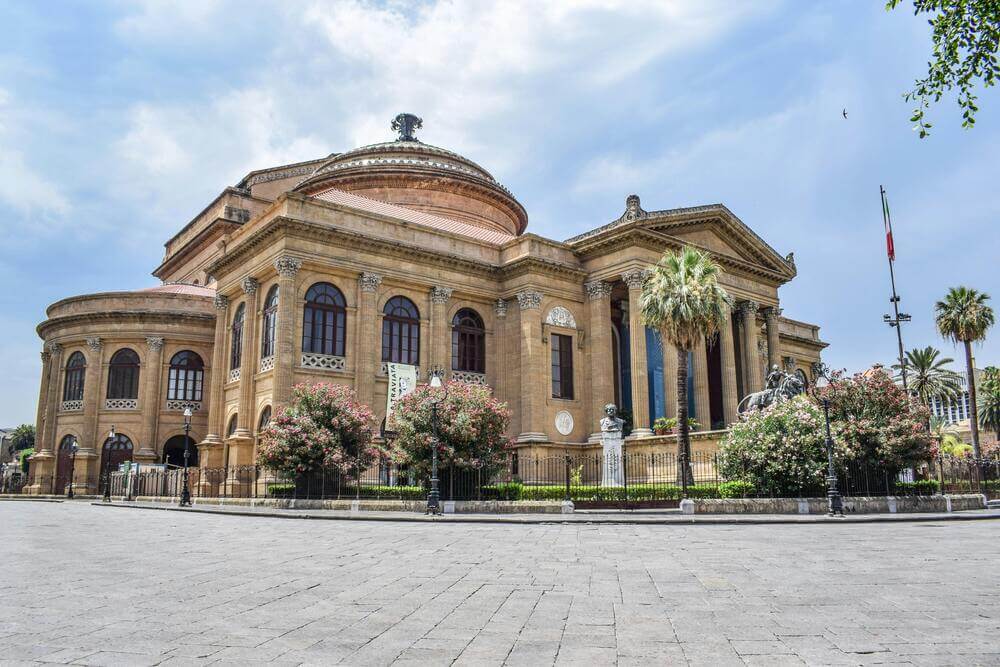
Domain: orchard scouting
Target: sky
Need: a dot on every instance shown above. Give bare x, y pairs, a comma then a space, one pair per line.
120, 121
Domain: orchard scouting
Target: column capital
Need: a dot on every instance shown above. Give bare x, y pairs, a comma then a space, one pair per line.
94, 343
221, 301
287, 267
529, 300
772, 313
500, 308
155, 343
635, 278
440, 295
249, 285
369, 282
597, 290
748, 308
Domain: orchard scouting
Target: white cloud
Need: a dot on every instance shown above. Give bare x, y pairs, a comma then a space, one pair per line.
22, 187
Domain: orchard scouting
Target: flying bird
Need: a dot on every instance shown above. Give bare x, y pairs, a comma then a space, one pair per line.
844, 112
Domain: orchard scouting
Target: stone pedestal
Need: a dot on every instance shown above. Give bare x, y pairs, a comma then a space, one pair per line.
612, 472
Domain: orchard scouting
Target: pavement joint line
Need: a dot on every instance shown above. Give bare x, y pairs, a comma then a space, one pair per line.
591, 519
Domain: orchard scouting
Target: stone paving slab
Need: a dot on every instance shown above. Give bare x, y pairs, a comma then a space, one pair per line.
91, 585
592, 516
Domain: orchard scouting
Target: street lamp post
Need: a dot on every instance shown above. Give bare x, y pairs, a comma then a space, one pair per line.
434, 497
107, 463
836, 503
72, 467
185, 491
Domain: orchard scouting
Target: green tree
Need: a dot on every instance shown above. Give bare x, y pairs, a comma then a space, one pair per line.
23, 437
927, 376
683, 301
964, 316
965, 34
989, 401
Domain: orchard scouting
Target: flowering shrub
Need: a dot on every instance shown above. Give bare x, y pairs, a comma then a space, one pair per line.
324, 426
472, 426
779, 451
876, 421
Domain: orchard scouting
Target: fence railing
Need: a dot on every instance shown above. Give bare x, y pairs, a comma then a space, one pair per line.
589, 479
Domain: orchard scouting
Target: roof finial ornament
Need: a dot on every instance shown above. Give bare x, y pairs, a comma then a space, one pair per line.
633, 211
406, 124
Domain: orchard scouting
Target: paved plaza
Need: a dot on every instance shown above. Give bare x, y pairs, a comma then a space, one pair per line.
105, 586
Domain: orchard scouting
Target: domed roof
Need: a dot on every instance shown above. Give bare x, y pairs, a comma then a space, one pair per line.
410, 173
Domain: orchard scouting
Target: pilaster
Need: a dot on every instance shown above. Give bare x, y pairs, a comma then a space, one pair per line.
248, 362
535, 380
368, 337
602, 390
440, 343
284, 367
149, 401
637, 348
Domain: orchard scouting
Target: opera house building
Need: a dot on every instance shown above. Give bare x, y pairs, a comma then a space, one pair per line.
397, 252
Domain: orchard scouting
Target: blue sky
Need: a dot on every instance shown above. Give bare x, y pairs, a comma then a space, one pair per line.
119, 121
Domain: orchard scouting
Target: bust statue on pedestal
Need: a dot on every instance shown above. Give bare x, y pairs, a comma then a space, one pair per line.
612, 473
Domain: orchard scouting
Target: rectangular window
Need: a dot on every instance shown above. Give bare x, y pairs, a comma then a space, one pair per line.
562, 366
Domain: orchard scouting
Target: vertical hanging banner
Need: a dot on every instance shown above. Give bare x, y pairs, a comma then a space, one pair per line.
402, 380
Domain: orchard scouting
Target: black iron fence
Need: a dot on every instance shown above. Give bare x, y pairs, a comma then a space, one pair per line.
592, 480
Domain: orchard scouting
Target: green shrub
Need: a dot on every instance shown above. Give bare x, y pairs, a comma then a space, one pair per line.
737, 489
921, 487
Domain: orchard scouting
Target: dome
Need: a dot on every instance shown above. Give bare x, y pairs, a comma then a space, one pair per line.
410, 173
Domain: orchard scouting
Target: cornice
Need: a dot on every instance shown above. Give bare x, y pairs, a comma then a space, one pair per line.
45, 328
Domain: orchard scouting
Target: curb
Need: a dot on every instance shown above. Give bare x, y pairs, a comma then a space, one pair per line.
591, 519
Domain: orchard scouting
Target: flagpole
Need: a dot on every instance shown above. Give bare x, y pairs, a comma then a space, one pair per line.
899, 317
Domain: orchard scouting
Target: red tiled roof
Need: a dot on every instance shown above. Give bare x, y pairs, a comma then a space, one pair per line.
180, 288
343, 198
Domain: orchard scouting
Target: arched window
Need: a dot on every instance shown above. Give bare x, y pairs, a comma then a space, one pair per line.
173, 452
76, 368
270, 320
468, 342
123, 374
236, 341
324, 321
265, 419
401, 331
231, 429
187, 374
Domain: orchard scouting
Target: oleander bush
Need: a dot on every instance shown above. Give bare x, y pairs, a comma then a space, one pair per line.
779, 451
323, 428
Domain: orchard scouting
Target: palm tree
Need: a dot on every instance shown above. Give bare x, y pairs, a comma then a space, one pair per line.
963, 316
683, 301
927, 376
989, 402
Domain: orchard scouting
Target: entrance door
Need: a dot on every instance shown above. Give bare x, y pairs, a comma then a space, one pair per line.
63, 464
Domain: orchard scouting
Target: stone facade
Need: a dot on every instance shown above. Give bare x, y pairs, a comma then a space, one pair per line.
405, 219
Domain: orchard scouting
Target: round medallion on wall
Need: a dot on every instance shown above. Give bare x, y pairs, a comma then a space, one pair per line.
564, 422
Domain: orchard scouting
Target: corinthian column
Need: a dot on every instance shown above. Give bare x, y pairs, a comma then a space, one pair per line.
751, 367
637, 348
149, 402
440, 340
771, 316
534, 376
730, 400
699, 370
248, 361
284, 366
602, 390
368, 338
